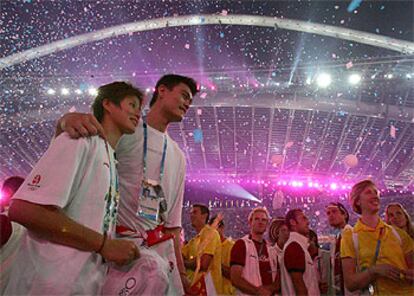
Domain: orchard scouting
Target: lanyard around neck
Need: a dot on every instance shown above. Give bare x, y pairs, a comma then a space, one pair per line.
377, 248
164, 152
111, 204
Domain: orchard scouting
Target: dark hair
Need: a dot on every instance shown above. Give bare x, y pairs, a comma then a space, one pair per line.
114, 92
203, 209
172, 80
313, 236
291, 215
220, 224
341, 208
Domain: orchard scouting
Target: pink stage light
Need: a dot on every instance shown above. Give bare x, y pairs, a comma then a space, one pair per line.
310, 184
333, 186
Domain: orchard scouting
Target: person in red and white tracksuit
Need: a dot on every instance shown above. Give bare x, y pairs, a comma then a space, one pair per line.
297, 270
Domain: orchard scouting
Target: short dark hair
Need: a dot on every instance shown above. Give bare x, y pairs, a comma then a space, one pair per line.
172, 80
291, 215
203, 209
313, 236
341, 208
114, 92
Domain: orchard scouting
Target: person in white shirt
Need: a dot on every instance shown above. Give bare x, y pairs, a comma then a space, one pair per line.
254, 263
69, 203
298, 273
152, 175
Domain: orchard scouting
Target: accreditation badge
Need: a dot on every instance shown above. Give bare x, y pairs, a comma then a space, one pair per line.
152, 204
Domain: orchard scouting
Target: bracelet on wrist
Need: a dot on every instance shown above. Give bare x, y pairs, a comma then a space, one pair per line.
102, 244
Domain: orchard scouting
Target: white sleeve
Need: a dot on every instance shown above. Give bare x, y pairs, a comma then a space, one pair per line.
175, 213
56, 176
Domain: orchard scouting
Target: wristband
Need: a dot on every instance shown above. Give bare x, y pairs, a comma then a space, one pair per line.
102, 244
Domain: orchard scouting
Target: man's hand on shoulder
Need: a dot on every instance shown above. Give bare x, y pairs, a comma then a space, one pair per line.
79, 125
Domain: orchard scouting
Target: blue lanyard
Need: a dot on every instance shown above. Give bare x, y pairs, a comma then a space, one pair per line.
378, 246
164, 152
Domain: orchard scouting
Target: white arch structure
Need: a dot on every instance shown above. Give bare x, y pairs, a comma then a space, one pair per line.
402, 46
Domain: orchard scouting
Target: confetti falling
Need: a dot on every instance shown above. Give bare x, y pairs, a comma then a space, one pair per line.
354, 5
198, 135
245, 64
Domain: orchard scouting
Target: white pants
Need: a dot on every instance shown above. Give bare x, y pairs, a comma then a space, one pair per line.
154, 273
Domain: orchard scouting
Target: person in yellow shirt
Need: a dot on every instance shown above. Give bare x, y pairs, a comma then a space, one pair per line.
397, 215
207, 246
226, 244
376, 257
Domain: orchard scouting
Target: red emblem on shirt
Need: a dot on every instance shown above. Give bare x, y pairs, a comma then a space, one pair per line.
36, 179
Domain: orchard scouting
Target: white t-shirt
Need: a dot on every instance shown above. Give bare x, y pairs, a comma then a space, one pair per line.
129, 153
75, 176
8, 254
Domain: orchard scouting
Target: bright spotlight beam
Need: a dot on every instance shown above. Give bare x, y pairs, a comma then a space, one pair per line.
214, 19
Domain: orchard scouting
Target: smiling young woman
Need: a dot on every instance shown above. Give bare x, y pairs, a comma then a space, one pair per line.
375, 256
397, 215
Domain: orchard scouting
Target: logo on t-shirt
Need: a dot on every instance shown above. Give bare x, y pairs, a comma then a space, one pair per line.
35, 183
36, 180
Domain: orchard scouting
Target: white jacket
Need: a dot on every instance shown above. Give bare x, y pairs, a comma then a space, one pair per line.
309, 276
251, 269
